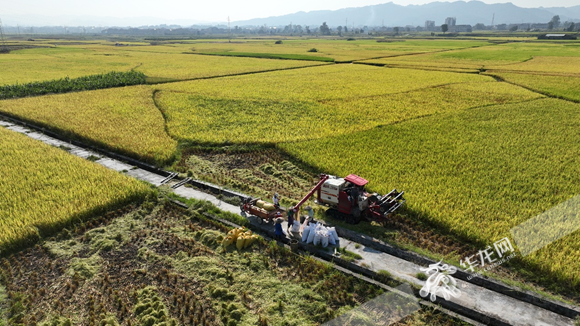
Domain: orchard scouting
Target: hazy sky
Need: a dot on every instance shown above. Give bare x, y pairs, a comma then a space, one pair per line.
208, 10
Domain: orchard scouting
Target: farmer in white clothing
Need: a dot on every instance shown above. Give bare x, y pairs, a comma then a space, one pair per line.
276, 200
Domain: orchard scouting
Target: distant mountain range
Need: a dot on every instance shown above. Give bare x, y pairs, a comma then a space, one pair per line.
390, 14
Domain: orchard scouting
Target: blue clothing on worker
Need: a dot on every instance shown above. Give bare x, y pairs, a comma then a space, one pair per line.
279, 232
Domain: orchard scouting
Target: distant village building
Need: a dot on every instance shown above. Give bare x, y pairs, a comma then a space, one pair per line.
557, 37
430, 25
524, 27
461, 29
450, 21
452, 26
539, 26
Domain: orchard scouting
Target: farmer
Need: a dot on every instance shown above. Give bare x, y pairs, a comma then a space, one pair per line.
290, 217
279, 233
276, 200
355, 193
310, 215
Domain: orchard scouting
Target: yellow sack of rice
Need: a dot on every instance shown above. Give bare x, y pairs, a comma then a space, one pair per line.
240, 242
249, 240
227, 241
269, 207
260, 203
233, 234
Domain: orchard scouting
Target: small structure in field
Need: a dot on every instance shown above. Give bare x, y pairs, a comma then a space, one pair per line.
557, 37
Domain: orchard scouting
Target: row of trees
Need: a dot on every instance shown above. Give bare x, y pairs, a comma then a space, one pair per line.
325, 30
291, 29
553, 24
567, 26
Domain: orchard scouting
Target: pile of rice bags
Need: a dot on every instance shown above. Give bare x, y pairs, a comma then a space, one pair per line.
266, 206
241, 237
319, 234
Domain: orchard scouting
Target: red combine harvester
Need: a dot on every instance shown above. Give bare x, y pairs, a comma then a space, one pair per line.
349, 201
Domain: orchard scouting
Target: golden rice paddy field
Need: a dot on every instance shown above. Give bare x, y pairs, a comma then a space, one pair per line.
346, 81
43, 188
39, 64
548, 65
476, 172
123, 119
519, 56
339, 50
551, 75
341, 99
567, 87
475, 155
159, 264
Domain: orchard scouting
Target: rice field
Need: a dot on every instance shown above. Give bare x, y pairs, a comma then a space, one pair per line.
44, 188
519, 56
190, 66
42, 64
514, 51
160, 63
567, 87
476, 156
544, 65
342, 100
66, 85
470, 59
164, 265
339, 50
476, 173
122, 119
322, 83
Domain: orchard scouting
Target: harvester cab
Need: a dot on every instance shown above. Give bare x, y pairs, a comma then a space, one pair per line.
349, 201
